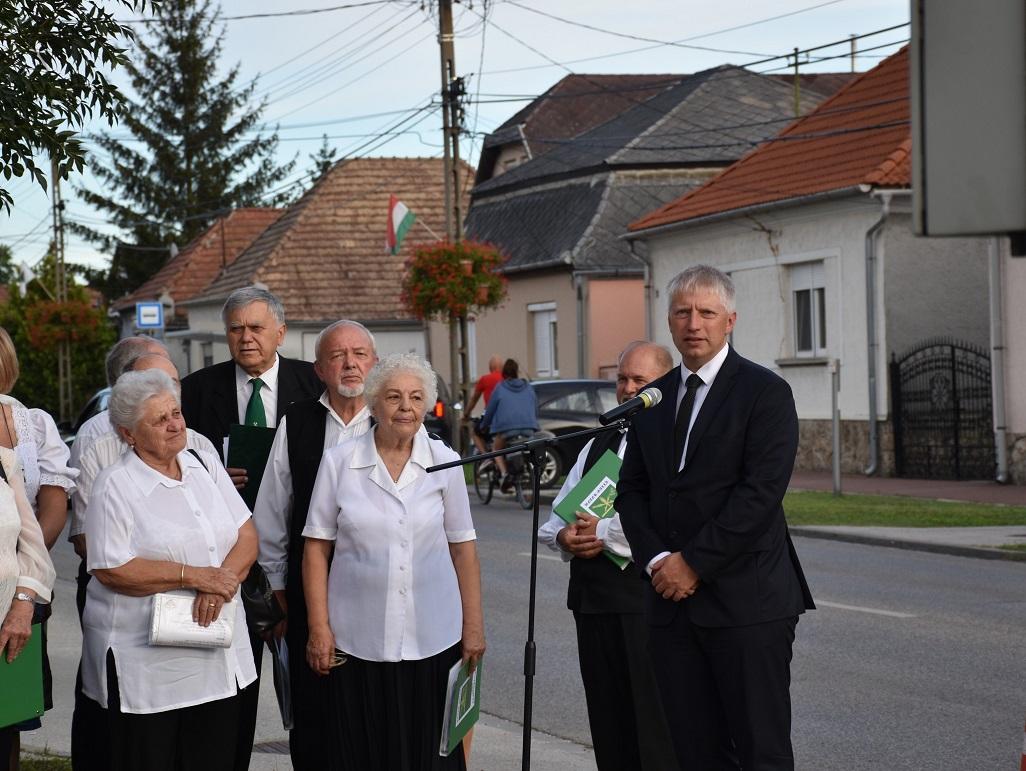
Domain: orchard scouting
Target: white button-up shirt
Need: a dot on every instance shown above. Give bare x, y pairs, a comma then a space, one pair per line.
392, 588
268, 392
608, 530
272, 513
135, 511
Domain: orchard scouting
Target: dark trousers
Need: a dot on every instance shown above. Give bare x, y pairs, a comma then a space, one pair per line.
309, 740
248, 702
726, 692
628, 728
90, 741
198, 738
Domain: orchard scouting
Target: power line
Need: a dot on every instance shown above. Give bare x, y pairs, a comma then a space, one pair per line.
278, 14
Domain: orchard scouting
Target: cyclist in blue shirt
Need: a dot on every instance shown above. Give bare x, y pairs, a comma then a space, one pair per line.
512, 410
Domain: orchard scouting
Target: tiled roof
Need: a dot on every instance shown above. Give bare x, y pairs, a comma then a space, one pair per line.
190, 271
326, 259
710, 118
572, 106
860, 136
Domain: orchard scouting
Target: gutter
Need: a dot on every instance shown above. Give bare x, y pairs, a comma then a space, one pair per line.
997, 362
582, 332
643, 259
783, 203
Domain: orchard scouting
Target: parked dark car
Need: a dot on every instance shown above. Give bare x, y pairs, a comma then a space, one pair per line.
96, 404
565, 406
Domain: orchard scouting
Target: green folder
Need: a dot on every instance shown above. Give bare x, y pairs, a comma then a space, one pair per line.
21, 682
248, 448
594, 495
462, 706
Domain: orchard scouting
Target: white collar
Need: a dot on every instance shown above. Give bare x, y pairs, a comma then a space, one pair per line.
147, 478
709, 370
361, 415
365, 453
269, 377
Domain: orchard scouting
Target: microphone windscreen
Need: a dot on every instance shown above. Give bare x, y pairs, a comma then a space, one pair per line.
651, 397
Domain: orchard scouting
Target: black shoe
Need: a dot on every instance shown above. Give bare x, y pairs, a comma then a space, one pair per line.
506, 485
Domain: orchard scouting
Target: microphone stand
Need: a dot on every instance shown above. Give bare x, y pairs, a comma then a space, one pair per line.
534, 450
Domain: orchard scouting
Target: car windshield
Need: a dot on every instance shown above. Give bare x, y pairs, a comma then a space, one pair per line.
607, 399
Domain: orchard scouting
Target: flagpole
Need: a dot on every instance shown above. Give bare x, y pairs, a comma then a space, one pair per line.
429, 230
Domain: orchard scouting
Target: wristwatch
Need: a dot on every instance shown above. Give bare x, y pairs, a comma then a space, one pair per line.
24, 597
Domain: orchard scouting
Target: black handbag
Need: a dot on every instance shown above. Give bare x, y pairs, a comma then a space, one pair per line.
263, 612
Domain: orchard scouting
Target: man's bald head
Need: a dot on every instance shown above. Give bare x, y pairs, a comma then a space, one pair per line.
640, 363
495, 363
126, 350
154, 361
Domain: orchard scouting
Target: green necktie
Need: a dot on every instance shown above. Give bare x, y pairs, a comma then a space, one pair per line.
255, 415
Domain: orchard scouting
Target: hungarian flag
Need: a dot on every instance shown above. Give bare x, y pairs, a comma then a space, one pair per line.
400, 220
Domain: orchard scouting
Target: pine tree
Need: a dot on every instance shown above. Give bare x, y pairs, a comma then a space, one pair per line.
323, 159
201, 154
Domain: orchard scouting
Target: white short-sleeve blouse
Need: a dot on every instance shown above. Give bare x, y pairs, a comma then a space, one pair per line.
392, 588
43, 454
136, 511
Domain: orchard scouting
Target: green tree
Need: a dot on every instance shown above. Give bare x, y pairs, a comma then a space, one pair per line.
54, 55
323, 159
8, 270
37, 324
201, 152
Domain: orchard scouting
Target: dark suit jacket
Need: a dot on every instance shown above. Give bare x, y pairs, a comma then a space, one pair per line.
210, 406
723, 511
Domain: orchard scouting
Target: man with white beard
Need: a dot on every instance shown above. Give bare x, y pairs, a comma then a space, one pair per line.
345, 353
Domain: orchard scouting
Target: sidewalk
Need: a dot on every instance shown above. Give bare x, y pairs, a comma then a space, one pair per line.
984, 542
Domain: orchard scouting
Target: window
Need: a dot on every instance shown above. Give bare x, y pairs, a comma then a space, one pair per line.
808, 300
572, 401
546, 351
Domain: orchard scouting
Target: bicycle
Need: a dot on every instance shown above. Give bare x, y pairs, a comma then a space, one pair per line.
487, 476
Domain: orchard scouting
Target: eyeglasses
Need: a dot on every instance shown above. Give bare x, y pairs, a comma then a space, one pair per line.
338, 658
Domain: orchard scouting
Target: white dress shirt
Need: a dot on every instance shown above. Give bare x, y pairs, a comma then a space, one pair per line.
272, 513
268, 392
608, 530
135, 511
708, 373
104, 451
90, 431
392, 588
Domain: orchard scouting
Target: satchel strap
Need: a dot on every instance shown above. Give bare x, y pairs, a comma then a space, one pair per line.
196, 455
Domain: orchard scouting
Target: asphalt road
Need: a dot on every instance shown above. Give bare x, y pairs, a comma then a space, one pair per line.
913, 660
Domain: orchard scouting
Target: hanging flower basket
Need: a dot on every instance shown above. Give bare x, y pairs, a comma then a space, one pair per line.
444, 281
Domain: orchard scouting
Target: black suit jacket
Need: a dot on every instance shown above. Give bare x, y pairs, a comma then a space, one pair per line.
723, 511
210, 406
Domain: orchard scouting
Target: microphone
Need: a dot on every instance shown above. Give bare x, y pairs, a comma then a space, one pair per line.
650, 397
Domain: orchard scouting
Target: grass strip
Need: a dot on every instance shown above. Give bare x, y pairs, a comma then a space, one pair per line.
819, 508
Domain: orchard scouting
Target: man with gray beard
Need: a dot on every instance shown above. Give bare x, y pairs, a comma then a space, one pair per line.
345, 353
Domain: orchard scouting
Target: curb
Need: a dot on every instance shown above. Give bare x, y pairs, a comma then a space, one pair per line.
979, 552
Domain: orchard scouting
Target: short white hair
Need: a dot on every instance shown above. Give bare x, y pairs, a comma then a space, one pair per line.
702, 277
401, 363
338, 325
130, 394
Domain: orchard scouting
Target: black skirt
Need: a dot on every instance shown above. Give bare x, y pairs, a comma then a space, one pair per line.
387, 716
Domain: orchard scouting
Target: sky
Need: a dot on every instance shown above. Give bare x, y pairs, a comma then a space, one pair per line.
359, 73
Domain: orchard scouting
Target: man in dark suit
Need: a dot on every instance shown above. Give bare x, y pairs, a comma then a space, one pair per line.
700, 496
255, 387
628, 728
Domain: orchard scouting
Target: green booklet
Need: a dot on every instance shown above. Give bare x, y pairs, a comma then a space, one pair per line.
462, 706
248, 448
21, 682
594, 495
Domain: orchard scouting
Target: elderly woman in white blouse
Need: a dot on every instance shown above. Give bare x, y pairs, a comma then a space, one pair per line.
402, 599
161, 519
26, 574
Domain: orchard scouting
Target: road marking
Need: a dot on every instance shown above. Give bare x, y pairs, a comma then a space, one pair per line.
860, 609
541, 556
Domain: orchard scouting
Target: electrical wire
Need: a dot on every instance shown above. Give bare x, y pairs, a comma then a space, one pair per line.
279, 14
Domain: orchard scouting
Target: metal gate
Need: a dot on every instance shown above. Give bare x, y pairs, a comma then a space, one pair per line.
941, 407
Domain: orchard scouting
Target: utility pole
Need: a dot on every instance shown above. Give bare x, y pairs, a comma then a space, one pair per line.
797, 87
854, 48
61, 291
452, 122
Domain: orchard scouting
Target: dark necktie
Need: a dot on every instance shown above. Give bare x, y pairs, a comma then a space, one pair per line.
255, 415
680, 427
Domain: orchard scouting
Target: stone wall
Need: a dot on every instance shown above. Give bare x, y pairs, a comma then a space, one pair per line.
815, 446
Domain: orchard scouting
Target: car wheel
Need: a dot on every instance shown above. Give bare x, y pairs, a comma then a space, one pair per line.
552, 468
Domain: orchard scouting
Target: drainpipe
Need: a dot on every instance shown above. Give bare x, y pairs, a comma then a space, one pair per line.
637, 254
997, 361
582, 333
873, 345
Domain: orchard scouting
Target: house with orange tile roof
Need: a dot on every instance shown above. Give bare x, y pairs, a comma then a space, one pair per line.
190, 271
814, 227
602, 150
325, 257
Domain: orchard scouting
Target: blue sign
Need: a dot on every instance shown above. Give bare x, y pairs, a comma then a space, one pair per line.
149, 315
